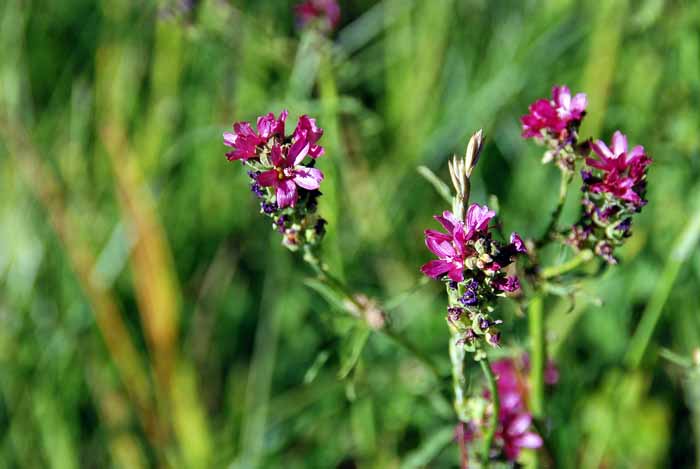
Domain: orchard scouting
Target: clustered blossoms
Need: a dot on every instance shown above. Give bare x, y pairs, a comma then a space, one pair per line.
614, 178
514, 431
324, 13
614, 185
472, 264
281, 176
554, 123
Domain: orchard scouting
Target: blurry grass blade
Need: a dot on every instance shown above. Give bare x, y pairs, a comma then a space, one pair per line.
190, 420
316, 366
683, 247
440, 187
604, 45
351, 349
151, 261
114, 256
105, 307
429, 449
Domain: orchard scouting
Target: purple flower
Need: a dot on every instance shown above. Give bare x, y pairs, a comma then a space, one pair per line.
516, 435
507, 284
514, 419
307, 129
517, 242
246, 142
288, 173
450, 248
470, 297
478, 219
327, 12
554, 116
568, 108
623, 171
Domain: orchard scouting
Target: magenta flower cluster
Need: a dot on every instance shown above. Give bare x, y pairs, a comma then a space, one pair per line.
614, 186
282, 173
472, 263
614, 177
554, 123
515, 431
514, 420
324, 13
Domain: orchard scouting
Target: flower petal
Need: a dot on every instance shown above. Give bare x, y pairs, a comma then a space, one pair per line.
268, 178
619, 143
276, 156
308, 178
442, 249
456, 274
286, 193
519, 424
529, 440
229, 139
436, 268
602, 150
447, 220
298, 150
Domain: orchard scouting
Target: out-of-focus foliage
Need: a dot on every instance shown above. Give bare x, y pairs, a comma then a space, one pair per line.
149, 316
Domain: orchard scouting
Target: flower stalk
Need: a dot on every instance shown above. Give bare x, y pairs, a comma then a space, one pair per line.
538, 353
495, 409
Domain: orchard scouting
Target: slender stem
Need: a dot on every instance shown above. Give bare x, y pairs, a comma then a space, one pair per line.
580, 258
459, 382
564, 182
537, 355
496, 409
387, 330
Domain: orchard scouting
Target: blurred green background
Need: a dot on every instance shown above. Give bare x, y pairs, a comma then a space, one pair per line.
149, 317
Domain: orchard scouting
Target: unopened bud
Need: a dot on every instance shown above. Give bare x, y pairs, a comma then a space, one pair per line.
471, 157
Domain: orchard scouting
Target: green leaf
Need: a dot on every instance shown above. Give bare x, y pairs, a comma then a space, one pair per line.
334, 297
425, 453
351, 348
437, 183
316, 366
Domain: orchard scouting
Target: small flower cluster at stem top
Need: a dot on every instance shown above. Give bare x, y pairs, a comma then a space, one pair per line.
614, 177
614, 185
325, 14
514, 432
554, 123
282, 173
472, 265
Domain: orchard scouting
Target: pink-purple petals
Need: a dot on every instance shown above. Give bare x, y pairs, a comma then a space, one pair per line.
282, 177
622, 172
555, 118
614, 186
473, 265
324, 13
515, 430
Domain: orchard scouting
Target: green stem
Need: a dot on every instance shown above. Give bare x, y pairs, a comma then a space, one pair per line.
537, 355
496, 409
459, 382
579, 259
550, 232
387, 330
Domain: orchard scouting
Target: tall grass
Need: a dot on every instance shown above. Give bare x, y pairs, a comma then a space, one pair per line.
146, 319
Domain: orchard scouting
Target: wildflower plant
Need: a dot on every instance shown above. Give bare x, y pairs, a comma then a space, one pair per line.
285, 181
477, 268
282, 174
475, 262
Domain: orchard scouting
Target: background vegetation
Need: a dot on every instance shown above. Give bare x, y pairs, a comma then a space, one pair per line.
150, 317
